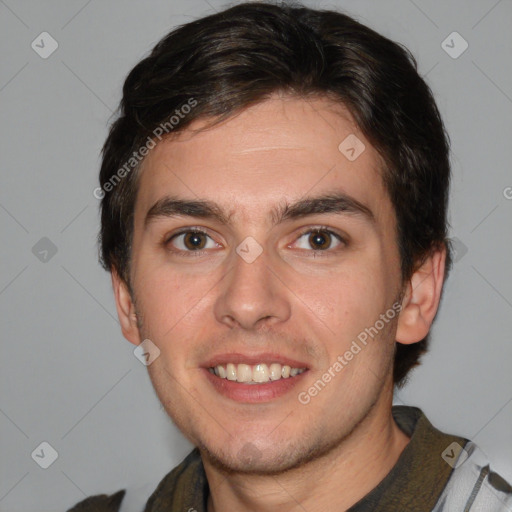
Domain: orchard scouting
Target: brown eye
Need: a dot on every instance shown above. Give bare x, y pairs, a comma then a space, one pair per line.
320, 240
194, 240
191, 241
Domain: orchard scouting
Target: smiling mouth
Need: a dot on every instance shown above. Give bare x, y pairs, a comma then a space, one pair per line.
255, 374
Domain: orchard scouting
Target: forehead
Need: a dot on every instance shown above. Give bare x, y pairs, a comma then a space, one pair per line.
275, 152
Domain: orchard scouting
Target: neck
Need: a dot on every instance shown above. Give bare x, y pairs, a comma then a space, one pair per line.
335, 481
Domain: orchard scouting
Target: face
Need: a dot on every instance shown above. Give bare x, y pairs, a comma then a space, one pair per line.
285, 258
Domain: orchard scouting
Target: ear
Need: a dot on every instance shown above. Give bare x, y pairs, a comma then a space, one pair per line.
421, 299
125, 309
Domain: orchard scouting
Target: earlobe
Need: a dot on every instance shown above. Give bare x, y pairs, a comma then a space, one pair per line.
125, 309
421, 300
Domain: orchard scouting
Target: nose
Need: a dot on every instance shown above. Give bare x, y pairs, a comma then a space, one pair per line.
252, 294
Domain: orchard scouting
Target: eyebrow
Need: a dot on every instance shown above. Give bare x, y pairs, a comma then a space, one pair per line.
337, 203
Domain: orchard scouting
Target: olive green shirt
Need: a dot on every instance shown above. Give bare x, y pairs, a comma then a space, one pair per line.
418, 482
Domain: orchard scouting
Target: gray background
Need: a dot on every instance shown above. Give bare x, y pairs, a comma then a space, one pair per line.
69, 378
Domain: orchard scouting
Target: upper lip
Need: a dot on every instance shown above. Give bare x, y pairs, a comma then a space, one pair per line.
252, 359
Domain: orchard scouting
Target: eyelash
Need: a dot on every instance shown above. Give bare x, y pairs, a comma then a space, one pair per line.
316, 253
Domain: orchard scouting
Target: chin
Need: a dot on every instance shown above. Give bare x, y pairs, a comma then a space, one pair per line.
256, 459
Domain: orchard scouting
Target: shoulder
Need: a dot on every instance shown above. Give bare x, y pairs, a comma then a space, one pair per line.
452, 469
176, 488
473, 485
100, 503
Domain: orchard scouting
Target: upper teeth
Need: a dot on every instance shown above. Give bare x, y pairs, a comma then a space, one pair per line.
256, 373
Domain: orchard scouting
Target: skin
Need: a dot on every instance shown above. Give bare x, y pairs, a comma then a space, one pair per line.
325, 455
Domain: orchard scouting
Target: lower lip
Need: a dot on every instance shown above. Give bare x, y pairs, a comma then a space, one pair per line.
253, 393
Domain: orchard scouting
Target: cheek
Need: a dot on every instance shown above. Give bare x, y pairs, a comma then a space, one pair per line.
175, 308
346, 302
161, 300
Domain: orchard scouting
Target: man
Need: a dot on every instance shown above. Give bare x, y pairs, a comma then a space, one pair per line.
274, 198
